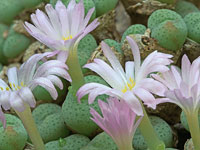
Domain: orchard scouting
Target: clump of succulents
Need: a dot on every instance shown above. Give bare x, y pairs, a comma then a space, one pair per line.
14, 137
168, 28
113, 99
184, 7
192, 21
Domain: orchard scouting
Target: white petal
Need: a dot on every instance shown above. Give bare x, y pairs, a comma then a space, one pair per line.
53, 16
13, 77
4, 100
56, 81
93, 87
129, 69
45, 83
146, 97
107, 73
185, 67
3, 85
136, 53
133, 102
27, 96
16, 102
62, 56
113, 60
64, 18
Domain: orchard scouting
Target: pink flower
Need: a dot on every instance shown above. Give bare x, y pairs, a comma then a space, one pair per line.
23, 80
118, 121
130, 84
63, 28
183, 86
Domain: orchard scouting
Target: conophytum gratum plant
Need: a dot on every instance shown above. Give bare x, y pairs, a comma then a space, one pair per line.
62, 32
18, 94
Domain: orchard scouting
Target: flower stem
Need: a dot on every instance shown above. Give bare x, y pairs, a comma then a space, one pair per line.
31, 128
150, 136
75, 70
193, 124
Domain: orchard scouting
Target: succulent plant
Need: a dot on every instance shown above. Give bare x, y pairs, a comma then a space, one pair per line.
168, 28
15, 44
162, 129
8, 10
103, 6
192, 21
72, 142
49, 121
30, 3
134, 29
14, 137
101, 142
77, 115
184, 7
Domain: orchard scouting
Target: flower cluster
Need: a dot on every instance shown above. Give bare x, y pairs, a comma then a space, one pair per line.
61, 30
22, 82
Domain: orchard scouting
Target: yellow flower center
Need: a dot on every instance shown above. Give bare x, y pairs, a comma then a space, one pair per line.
13, 87
130, 85
67, 38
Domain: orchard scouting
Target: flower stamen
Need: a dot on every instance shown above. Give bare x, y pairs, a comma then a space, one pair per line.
129, 86
67, 38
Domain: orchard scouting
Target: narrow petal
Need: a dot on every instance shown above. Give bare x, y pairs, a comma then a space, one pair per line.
87, 18
185, 67
13, 77
16, 102
136, 53
45, 24
89, 29
53, 16
63, 17
176, 75
112, 59
107, 73
56, 81
62, 56
146, 97
49, 65
92, 87
45, 83
4, 99
133, 103
129, 69
152, 86
3, 85
27, 96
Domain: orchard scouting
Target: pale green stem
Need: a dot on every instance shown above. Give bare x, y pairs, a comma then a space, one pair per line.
75, 70
31, 128
193, 123
149, 134
128, 146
